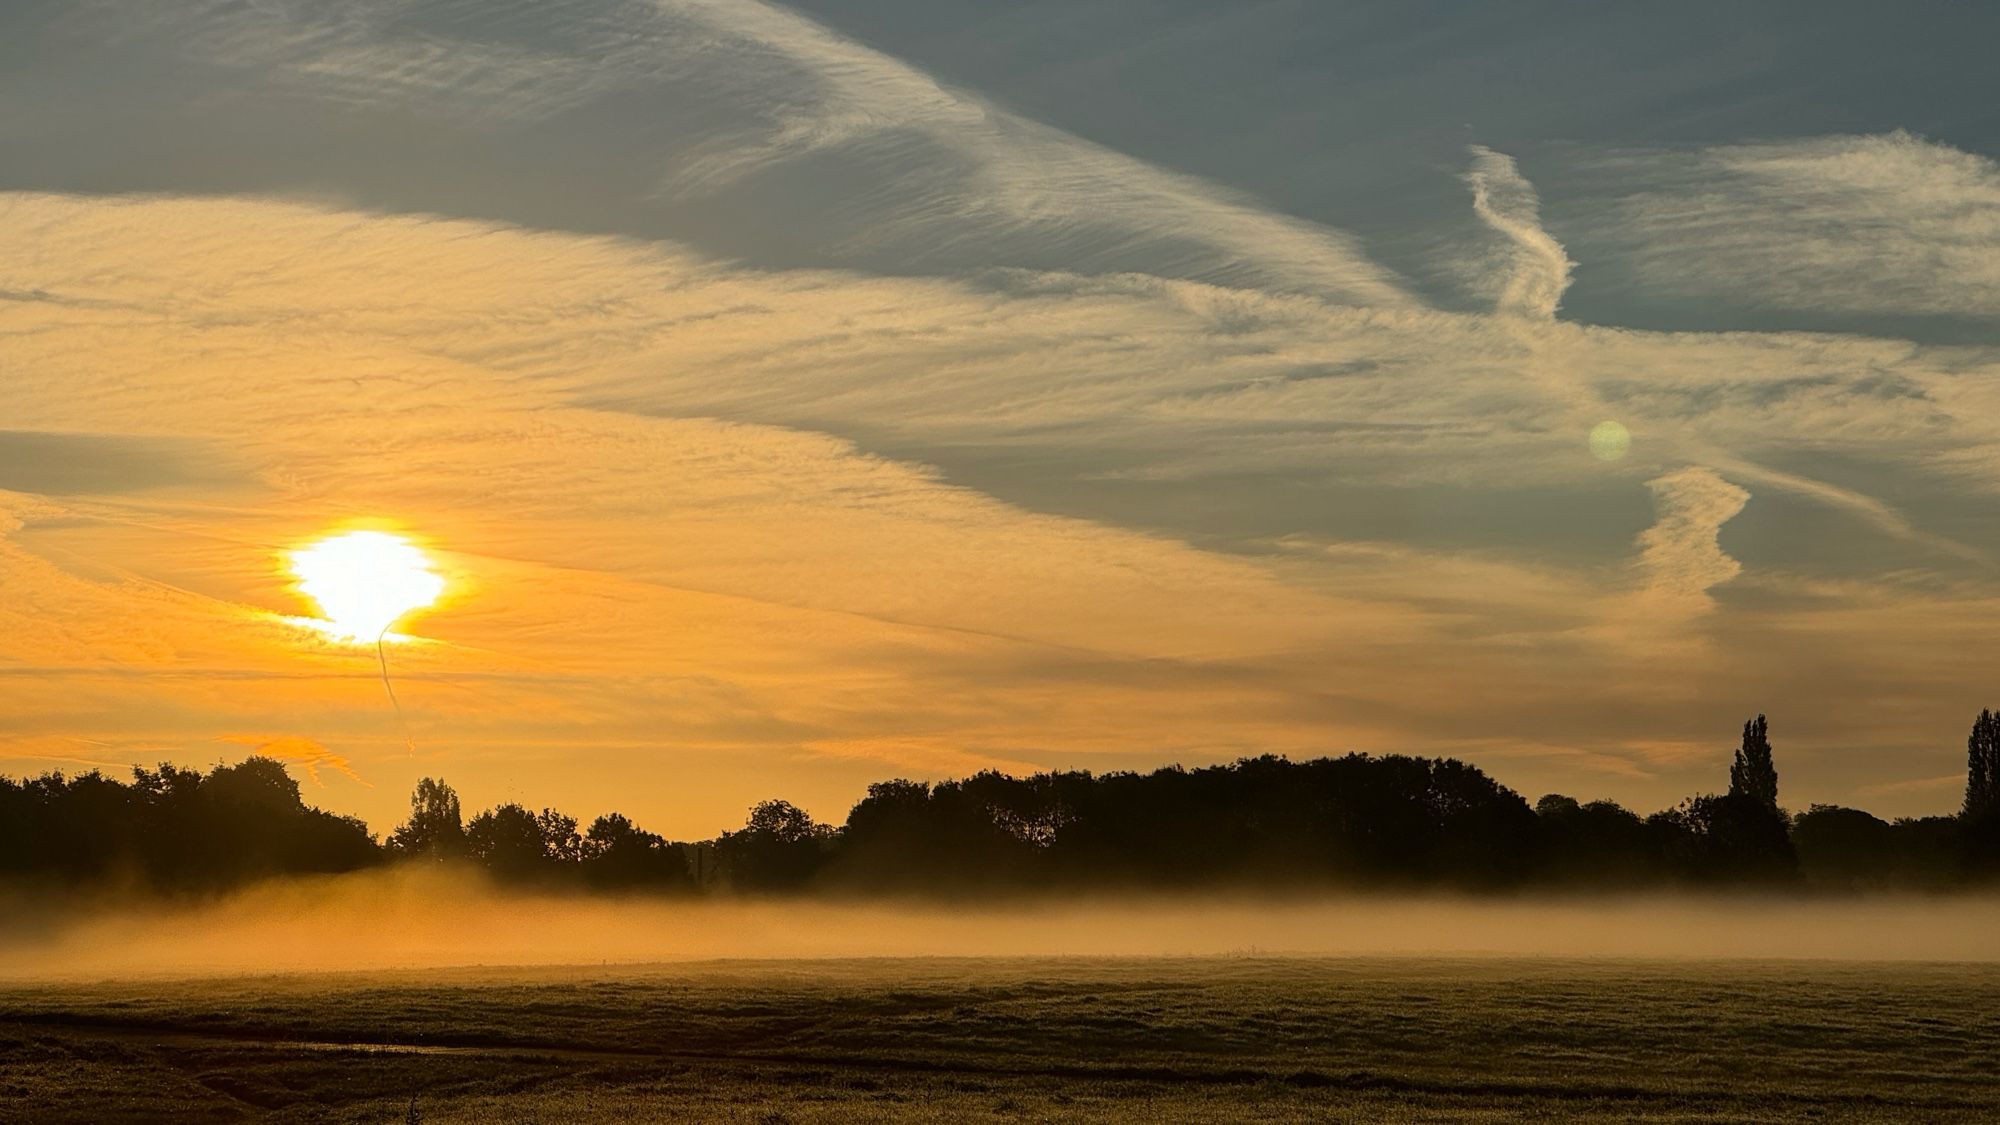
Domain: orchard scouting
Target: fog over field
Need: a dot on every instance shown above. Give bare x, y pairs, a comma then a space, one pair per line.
411, 919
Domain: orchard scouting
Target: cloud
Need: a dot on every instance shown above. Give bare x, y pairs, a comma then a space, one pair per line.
297, 749
1679, 556
688, 532
1924, 786
1882, 224
619, 580
1078, 460
966, 182
857, 154
1536, 270
1012, 180
391, 54
61, 464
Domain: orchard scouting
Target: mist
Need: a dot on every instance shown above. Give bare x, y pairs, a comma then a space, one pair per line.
413, 919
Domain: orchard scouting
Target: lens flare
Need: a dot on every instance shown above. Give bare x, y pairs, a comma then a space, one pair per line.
365, 581
1609, 441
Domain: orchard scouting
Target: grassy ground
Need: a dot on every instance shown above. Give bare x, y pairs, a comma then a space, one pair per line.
1223, 1039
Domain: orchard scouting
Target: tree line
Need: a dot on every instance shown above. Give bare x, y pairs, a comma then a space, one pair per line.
1357, 821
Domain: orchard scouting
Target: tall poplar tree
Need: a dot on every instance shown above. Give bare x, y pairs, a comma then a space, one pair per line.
1982, 767
1753, 775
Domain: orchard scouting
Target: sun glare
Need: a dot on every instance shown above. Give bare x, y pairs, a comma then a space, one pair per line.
365, 581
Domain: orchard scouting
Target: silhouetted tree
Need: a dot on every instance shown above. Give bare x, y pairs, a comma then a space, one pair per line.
1980, 817
1486, 833
780, 847
86, 827
1849, 849
560, 841
251, 809
18, 824
508, 841
254, 783
436, 828
1600, 843
617, 853
1741, 836
329, 843
1843, 847
1982, 768
1733, 838
514, 843
1264, 820
956, 837
174, 829
1352, 820
1931, 849
1753, 775
173, 814
886, 843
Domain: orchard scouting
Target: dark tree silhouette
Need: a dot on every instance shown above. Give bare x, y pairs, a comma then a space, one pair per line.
560, 842
960, 837
1351, 821
780, 847
1849, 849
508, 840
514, 843
1753, 775
1264, 821
1733, 838
1600, 843
1982, 767
173, 814
1843, 847
617, 853
436, 828
1980, 818
18, 824
174, 829
326, 842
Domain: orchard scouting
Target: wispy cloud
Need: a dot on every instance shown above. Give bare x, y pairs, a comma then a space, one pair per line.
292, 749
969, 174
1249, 494
1884, 224
1537, 270
1679, 555
398, 55
926, 176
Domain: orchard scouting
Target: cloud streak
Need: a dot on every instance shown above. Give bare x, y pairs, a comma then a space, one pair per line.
1537, 270
1012, 180
1885, 224
1078, 460
301, 751
624, 446
750, 97
1679, 555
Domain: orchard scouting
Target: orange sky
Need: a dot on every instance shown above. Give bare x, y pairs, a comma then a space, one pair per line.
675, 615
1044, 454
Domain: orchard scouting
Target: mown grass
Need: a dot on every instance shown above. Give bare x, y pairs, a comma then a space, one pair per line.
921, 1040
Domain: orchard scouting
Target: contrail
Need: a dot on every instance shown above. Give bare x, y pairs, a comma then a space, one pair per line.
382, 657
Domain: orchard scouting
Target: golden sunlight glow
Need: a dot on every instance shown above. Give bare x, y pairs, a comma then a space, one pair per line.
365, 581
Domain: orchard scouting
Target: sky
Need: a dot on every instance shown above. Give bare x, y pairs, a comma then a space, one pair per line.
800, 396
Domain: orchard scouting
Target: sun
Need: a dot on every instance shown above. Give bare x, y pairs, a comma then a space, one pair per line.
365, 581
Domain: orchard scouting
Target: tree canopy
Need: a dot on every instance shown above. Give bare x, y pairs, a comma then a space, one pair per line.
1354, 821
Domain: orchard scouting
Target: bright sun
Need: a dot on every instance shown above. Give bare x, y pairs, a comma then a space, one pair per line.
365, 581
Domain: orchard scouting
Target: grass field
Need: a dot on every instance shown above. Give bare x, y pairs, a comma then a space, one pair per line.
1223, 1039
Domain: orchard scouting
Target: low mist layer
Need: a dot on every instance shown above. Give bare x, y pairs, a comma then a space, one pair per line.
423, 919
